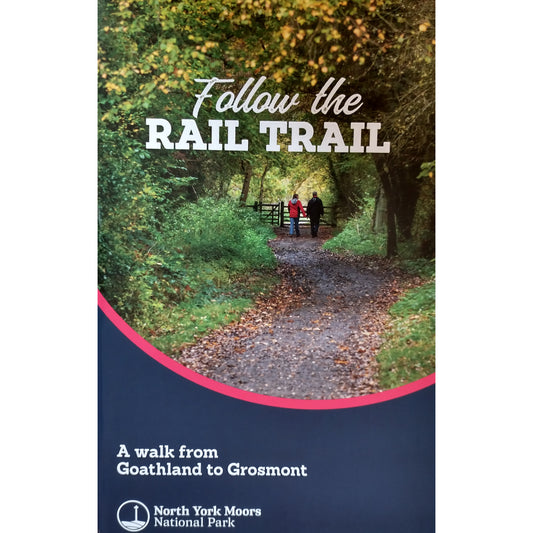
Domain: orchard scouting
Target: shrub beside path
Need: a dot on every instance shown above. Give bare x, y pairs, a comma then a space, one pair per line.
316, 336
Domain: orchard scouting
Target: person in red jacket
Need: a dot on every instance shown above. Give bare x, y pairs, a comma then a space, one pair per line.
295, 207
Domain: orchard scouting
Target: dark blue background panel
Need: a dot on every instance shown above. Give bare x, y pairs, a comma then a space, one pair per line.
367, 469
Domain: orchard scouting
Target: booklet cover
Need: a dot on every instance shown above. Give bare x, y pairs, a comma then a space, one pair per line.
266, 266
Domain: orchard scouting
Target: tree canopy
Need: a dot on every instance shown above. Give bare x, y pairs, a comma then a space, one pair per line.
151, 54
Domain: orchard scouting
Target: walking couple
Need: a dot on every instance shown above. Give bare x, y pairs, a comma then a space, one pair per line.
315, 209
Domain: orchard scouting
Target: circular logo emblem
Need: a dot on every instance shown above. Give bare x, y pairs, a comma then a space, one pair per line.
133, 515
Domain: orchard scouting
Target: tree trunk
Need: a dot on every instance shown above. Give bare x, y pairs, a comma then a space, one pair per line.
246, 168
398, 176
388, 189
344, 190
407, 189
261, 187
379, 221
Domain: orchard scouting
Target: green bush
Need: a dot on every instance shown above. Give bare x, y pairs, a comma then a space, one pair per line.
358, 237
219, 231
207, 259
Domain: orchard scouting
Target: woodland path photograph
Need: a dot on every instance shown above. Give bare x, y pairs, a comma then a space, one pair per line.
317, 336
210, 112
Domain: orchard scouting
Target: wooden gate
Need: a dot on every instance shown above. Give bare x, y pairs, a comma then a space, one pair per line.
268, 212
278, 215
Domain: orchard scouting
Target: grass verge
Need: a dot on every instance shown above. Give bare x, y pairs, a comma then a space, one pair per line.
185, 323
408, 352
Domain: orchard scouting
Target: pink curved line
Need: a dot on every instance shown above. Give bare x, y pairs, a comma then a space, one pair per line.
254, 397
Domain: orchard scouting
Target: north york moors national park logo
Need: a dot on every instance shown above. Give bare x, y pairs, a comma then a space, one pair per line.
133, 515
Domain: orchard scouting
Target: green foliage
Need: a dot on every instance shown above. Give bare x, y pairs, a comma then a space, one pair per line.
150, 52
175, 327
195, 264
423, 226
356, 180
418, 300
217, 231
219, 291
158, 251
358, 237
423, 268
182, 324
427, 170
222, 234
134, 194
408, 353
415, 255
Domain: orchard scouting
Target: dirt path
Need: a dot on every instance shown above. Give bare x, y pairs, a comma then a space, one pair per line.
317, 336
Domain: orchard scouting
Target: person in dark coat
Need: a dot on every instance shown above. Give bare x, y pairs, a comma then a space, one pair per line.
315, 209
